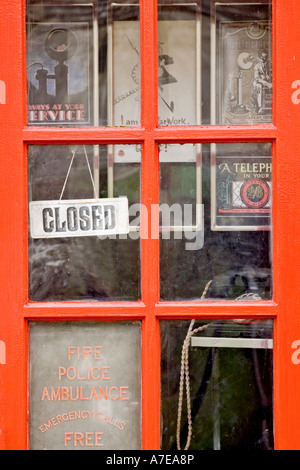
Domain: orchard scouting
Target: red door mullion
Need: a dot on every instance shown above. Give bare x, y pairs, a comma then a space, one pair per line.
286, 253
286, 235
149, 68
150, 164
216, 134
150, 228
13, 333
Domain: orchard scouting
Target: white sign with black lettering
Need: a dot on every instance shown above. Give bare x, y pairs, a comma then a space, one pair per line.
79, 218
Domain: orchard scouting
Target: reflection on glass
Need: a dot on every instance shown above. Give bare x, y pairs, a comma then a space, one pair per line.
215, 62
232, 184
230, 375
83, 63
69, 262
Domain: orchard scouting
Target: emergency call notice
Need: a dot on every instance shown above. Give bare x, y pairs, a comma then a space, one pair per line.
85, 386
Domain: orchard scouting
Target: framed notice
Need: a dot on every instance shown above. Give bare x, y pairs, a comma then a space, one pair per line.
241, 192
241, 63
61, 65
85, 386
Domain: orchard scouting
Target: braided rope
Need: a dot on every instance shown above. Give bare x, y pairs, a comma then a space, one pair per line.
184, 374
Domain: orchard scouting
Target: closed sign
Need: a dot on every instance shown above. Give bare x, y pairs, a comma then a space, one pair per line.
79, 218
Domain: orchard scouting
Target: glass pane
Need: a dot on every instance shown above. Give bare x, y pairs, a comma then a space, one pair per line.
230, 369
215, 62
227, 241
83, 62
179, 63
84, 392
83, 243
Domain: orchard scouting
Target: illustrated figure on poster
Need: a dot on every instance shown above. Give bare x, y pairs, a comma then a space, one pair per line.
60, 45
225, 193
164, 77
235, 99
262, 82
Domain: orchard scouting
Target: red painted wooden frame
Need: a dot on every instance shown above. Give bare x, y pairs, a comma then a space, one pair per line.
16, 311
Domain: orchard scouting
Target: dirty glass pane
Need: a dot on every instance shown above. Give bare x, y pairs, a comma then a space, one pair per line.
83, 62
230, 371
81, 243
179, 63
220, 207
180, 191
215, 62
84, 393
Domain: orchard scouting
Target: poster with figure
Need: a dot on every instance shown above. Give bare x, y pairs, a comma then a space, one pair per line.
245, 72
60, 69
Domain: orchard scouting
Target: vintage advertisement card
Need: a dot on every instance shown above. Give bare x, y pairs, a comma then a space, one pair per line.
244, 72
241, 192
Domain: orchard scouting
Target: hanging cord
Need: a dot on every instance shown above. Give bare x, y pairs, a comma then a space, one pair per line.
90, 172
184, 374
191, 411
69, 169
